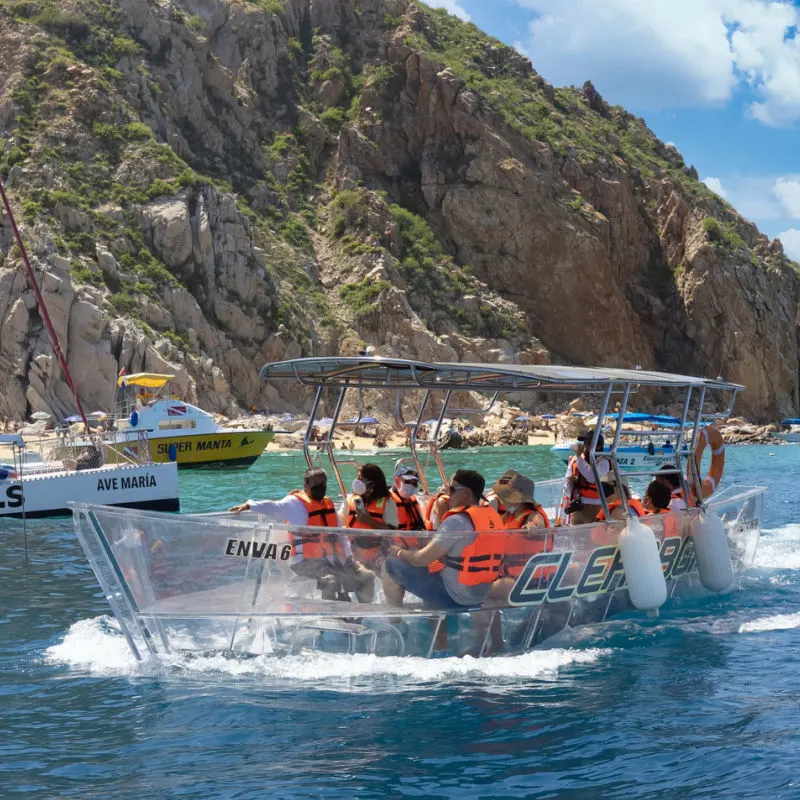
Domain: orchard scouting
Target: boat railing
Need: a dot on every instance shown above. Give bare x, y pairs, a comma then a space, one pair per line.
67, 451
234, 565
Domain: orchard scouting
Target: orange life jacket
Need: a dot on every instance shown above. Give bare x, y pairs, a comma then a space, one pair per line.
368, 546
428, 510
409, 518
586, 489
321, 514
481, 560
671, 525
519, 548
634, 505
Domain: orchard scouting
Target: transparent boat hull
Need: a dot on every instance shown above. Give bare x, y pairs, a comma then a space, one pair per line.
225, 582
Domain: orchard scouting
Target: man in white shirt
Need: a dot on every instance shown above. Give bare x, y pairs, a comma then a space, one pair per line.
328, 558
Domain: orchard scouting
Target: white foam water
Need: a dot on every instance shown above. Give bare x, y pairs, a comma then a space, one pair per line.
98, 646
779, 548
778, 622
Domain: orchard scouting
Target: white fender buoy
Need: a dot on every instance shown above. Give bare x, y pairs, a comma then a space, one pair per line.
641, 560
712, 551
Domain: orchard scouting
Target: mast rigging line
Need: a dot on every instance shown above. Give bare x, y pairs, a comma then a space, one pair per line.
42, 307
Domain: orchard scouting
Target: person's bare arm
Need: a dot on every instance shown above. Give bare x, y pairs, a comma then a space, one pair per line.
421, 558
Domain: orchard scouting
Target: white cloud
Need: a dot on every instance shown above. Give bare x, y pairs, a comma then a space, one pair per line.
452, 6
791, 243
788, 192
673, 53
715, 184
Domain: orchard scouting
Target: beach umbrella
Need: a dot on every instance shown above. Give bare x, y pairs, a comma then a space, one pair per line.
523, 418
548, 416
325, 421
74, 418
430, 422
40, 415
369, 421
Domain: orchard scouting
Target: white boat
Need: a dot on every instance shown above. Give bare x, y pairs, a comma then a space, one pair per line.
647, 441
41, 478
179, 431
225, 582
792, 432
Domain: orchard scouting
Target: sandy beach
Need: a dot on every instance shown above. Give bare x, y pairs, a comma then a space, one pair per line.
283, 442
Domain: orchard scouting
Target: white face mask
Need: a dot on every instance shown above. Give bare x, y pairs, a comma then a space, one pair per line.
406, 490
359, 487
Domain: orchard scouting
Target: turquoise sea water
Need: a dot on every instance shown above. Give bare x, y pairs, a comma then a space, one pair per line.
701, 702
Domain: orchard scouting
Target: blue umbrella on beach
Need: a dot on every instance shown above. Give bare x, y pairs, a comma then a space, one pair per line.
325, 421
548, 416
74, 418
368, 421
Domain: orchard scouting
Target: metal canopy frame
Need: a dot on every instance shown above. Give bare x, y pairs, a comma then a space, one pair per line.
396, 373
363, 372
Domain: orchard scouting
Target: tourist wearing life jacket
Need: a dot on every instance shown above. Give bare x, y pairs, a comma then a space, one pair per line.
472, 554
668, 475
615, 504
409, 519
656, 500
526, 523
409, 514
327, 558
525, 517
581, 492
436, 507
369, 507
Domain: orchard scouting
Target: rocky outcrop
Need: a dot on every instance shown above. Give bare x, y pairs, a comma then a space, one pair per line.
254, 160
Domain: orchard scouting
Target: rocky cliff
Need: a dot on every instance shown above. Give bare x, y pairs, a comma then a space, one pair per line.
207, 185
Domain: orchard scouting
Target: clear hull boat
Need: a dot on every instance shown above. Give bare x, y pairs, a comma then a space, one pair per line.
230, 582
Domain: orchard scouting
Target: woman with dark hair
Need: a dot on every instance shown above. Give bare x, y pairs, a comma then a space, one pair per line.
369, 507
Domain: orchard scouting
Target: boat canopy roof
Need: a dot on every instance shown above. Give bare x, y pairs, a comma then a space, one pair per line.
149, 380
374, 372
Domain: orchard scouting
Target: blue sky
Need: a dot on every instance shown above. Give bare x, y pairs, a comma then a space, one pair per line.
720, 79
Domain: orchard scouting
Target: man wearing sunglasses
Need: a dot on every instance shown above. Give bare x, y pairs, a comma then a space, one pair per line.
471, 553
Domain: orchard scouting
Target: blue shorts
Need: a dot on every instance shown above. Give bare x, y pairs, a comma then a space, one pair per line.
428, 586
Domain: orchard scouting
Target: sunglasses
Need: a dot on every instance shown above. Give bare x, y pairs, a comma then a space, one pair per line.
455, 487
315, 485
504, 480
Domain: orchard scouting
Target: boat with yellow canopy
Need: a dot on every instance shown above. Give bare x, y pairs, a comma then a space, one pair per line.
179, 431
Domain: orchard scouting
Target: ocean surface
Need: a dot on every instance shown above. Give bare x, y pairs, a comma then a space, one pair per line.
701, 702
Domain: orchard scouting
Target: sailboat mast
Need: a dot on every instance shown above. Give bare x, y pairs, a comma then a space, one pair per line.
42, 306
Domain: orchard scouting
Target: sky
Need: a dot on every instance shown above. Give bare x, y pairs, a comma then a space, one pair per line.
719, 79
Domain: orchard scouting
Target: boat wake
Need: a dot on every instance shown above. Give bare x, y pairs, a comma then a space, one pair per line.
778, 622
779, 548
97, 645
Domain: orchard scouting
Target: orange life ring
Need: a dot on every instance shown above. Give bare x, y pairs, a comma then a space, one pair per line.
710, 436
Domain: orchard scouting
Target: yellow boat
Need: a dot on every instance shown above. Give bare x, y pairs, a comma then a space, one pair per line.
179, 431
